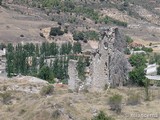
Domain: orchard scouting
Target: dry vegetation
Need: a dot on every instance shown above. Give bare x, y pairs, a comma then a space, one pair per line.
62, 105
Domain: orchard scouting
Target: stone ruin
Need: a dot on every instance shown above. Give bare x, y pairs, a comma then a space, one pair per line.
108, 67
73, 81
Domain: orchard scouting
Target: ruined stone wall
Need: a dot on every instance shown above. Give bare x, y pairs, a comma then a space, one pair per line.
73, 82
108, 67
100, 62
119, 68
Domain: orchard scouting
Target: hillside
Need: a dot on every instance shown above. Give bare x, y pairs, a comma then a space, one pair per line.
20, 19
79, 59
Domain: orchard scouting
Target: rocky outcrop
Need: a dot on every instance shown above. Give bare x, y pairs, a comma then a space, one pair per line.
27, 84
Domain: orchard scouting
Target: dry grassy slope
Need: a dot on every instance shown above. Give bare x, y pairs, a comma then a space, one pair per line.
78, 106
12, 25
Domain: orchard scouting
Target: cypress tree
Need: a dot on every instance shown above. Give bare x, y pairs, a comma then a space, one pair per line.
77, 48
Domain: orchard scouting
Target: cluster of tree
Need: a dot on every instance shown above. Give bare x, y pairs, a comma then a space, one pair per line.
137, 75
57, 68
17, 59
49, 49
31, 59
129, 40
146, 49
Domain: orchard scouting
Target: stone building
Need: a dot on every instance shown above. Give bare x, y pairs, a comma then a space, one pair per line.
108, 67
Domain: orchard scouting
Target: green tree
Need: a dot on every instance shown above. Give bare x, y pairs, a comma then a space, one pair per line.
55, 67
46, 74
41, 62
137, 60
54, 49
34, 66
137, 76
81, 65
65, 48
10, 64
37, 50
10, 60
77, 47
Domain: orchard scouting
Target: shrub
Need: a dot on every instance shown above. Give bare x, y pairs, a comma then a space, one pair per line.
56, 31
108, 19
92, 35
137, 75
115, 103
127, 51
129, 40
133, 99
102, 116
78, 36
22, 111
56, 114
6, 97
47, 90
147, 49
